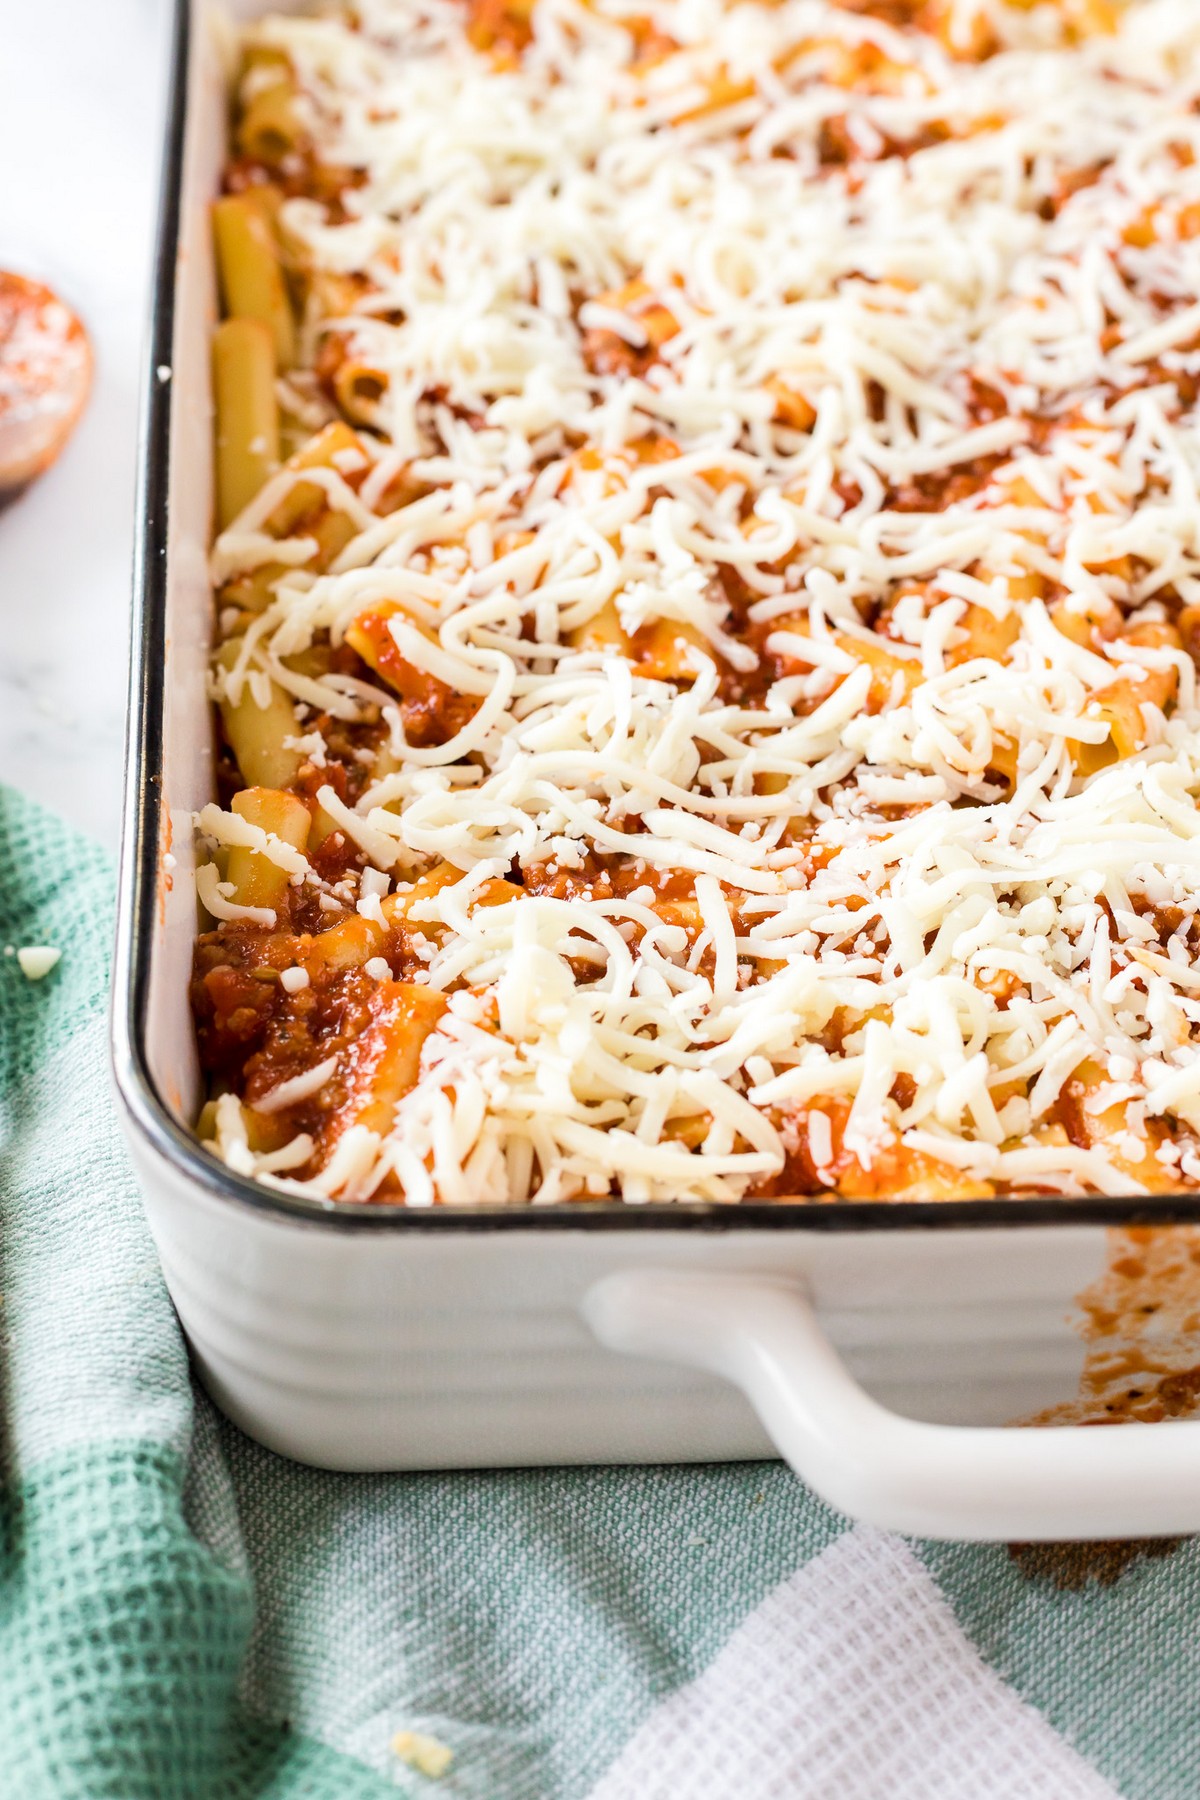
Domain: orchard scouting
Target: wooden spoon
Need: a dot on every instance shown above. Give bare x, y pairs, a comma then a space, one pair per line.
45, 376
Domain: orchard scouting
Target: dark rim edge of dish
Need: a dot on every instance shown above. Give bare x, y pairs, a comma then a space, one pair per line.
141, 826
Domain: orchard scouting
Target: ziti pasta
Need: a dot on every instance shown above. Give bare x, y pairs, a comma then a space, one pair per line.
708, 592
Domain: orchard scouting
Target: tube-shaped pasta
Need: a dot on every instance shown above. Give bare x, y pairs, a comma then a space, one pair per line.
247, 413
348, 944
1129, 1143
304, 509
359, 388
389, 1052
984, 635
252, 283
264, 1131
791, 406
254, 591
370, 637
257, 881
1120, 704
333, 447
662, 649
892, 675
270, 130
256, 733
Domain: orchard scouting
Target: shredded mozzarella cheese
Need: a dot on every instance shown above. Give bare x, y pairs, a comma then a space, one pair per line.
798, 417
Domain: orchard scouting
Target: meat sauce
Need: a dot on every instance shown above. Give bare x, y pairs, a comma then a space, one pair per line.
256, 1034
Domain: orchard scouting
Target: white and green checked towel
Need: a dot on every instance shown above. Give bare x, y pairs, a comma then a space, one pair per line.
184, 1616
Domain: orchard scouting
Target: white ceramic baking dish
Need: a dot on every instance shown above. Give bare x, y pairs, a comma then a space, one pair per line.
881, 1348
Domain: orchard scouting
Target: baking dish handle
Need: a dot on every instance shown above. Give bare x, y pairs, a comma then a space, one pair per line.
944, 1481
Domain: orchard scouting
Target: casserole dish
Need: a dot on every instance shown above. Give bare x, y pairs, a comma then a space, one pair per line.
360, 1336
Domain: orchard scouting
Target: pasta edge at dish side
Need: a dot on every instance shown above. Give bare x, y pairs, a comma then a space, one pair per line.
707, 603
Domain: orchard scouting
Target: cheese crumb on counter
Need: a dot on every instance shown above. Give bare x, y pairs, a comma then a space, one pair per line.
36, 960
427, 1755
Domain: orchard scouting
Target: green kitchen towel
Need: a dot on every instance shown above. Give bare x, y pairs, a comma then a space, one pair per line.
184, 1616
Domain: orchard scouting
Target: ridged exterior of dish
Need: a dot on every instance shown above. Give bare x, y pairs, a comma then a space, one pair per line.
422, 1350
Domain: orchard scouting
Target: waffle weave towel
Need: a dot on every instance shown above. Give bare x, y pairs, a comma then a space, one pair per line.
184, 1616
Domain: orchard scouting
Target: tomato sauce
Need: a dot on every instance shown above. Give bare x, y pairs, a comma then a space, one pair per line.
432, 711
45, 377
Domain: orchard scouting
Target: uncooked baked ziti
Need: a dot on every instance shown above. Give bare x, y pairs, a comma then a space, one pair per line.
708, 592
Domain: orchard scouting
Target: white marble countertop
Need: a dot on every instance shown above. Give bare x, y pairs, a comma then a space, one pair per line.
81, 90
